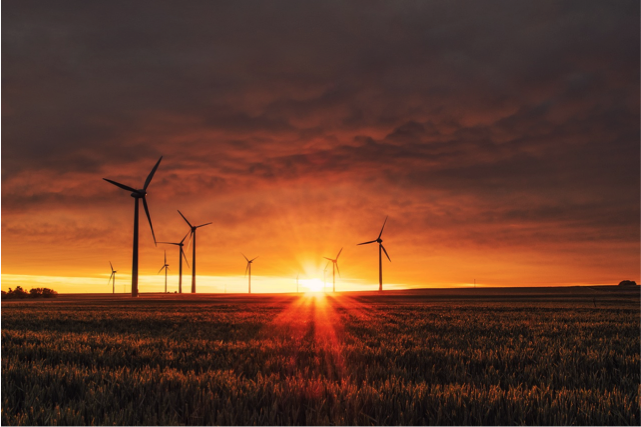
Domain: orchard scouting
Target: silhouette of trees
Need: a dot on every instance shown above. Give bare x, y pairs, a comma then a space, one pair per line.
42, 293
19, 293
627, 283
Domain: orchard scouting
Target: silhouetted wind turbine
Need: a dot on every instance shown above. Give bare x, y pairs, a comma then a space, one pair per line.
380, 258
113, 276
334, 269
193, 258
138, 194
166, 268
181, 255
249, 269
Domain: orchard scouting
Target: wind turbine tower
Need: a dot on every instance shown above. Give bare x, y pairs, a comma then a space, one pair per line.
249, 269
380, 256
137, 195
193, 258
325, 276
334, 269
166, 268
180, 261
113, 276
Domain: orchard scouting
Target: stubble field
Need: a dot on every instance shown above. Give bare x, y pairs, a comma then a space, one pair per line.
555, 356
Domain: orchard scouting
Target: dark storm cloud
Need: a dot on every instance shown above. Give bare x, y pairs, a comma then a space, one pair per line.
500, 100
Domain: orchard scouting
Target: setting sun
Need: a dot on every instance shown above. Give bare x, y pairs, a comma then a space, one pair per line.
313, 285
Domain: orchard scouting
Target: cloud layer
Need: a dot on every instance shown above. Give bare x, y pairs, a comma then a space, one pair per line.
498, 135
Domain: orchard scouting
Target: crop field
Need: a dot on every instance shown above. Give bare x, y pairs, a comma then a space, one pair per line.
554, 356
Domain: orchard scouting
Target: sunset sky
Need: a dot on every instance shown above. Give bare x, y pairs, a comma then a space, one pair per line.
501, 138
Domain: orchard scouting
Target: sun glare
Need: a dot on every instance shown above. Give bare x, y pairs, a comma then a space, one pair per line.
313, 285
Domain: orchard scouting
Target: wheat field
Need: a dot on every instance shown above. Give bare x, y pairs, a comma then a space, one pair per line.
460, 357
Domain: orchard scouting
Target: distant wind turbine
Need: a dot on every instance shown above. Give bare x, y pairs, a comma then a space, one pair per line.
181, 255
138, 194
335, 269
166, 268
193, 258
380, 258
113, 276
325, 276
297, 283
249, 269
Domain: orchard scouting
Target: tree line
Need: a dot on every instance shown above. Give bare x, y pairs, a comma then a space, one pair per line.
19, 293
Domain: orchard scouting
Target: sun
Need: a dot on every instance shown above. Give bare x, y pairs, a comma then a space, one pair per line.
314, 285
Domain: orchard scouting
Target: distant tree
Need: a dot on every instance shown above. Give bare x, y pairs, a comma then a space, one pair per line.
19, 293
627, 283
49, 293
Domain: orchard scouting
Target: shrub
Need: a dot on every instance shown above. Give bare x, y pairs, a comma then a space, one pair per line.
627, 283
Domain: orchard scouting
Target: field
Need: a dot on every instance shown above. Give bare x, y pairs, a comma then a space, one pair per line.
551, 356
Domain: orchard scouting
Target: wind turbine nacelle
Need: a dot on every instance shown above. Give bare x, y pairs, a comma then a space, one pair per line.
139, 194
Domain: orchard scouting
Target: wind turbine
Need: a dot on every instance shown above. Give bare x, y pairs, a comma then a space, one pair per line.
334, 269
138, 194
180, 261
113, 276
325, 277
380, 258
166, 268
249, 269
297, 283
193, 258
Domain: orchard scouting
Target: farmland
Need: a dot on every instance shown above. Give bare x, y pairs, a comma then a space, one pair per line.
554, 356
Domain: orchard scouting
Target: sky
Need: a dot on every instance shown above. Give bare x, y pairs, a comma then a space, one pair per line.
501, 139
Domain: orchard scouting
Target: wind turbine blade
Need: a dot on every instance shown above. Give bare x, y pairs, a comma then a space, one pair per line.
254, 258
366, 243
181, 214
328, 258
339, 272
184, 256
123, 186
170, 243
184, 237
339, 254
151, 174
246, 259
190, 240
202, 225
381, 233
386, 253
161, 269
144, 203
111, 265
110, 277
165, 257
246, 269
